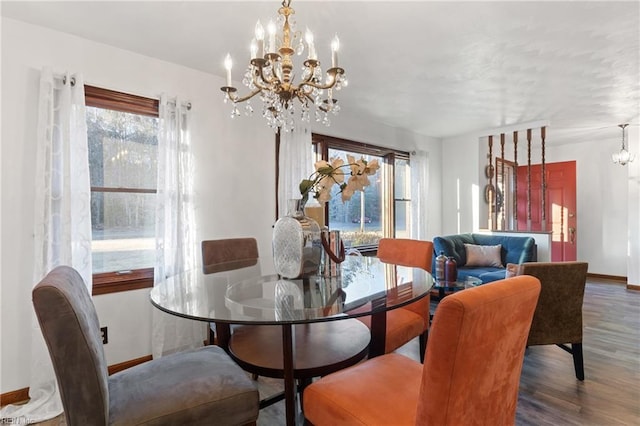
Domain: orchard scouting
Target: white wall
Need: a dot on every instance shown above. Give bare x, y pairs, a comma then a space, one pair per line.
233, 174
633, 257
460, 185
605, 238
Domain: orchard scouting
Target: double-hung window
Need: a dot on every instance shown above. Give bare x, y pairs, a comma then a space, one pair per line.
382, 209
123, 156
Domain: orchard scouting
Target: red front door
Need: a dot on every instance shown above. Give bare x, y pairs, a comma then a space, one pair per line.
560, 206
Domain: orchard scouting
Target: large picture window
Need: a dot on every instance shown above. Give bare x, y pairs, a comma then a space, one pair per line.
382, 209
123, 152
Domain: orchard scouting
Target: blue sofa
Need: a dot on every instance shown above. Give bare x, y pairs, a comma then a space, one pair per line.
514, 250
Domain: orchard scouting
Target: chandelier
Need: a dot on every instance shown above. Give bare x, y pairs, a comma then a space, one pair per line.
623, 157
270, 74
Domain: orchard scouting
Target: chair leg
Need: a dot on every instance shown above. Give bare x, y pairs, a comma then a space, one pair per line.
423, 344
302, 384
212, 335
578, 362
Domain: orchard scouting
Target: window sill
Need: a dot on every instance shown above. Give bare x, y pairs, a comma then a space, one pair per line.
113, 282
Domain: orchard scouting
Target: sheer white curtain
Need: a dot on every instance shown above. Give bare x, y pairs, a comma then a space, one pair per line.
295, 163
175, 225
419, 194
62, 224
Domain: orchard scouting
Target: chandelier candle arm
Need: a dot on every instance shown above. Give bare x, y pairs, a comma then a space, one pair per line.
271, 29
231, 93
335, 46
228, 64
332, 72
259, 30
312, 50
270, 74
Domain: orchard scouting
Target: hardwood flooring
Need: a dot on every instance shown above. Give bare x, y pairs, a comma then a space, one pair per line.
550, 394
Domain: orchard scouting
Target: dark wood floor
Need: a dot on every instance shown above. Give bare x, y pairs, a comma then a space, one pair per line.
549, 392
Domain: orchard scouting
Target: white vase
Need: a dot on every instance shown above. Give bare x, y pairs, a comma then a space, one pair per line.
297, 247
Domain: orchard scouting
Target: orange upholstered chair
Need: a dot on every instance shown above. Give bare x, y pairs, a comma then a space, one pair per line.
404, 324
470, 375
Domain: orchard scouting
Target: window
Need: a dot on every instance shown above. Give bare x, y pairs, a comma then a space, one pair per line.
122, 135
382, 209
402, 197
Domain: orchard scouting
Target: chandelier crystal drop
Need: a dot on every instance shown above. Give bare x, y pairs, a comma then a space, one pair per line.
624, 156
271, 75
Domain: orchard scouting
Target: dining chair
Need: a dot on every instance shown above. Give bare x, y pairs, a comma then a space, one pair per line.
198, 387
470, 374
406, 323
558, 316
221, 256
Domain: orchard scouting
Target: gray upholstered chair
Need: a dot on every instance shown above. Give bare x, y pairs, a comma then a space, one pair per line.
558, 316
198, 387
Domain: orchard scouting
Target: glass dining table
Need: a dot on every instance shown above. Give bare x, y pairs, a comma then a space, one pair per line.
365, 286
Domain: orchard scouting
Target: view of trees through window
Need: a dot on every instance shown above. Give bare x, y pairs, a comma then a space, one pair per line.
383, 209
360, 218
123, 152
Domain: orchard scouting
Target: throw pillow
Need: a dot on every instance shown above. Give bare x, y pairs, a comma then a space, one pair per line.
484, 255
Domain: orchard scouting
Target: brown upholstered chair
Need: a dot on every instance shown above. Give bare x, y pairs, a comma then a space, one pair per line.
558, 316
404, 324
232, 254
470, 375
198, 387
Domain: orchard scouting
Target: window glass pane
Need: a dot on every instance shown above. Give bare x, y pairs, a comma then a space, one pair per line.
360, 218
403, 219
401, 180
123, 149
123, 231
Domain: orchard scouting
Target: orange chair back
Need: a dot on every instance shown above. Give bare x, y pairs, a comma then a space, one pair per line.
475, 354
406, 252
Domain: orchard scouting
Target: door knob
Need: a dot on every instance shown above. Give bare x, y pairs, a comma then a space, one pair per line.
572, 235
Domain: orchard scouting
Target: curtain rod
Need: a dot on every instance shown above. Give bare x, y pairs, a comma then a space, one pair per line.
187, 105
72, 79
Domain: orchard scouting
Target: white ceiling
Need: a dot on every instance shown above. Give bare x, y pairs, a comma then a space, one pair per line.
436, 68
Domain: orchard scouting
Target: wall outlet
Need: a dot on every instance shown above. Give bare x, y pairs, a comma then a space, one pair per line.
105, 336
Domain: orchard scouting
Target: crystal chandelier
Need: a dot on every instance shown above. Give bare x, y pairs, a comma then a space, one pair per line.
270, 74
623, 157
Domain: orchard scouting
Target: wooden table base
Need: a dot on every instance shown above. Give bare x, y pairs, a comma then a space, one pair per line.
320, 348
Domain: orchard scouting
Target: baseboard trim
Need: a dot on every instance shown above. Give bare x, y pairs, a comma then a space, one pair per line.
633, 287
14, 397
616, 278
22, 395
128, 364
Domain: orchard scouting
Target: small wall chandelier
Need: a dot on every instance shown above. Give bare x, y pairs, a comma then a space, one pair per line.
623, 157
270, 74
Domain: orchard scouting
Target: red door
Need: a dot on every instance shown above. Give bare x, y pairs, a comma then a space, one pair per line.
560, 206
